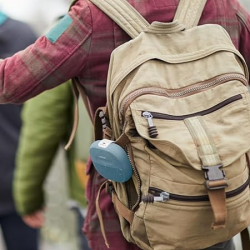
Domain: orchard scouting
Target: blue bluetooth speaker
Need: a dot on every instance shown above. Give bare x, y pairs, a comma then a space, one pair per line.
110, 160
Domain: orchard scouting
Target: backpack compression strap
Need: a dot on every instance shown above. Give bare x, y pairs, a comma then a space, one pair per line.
124, 14
212, 165
189, 12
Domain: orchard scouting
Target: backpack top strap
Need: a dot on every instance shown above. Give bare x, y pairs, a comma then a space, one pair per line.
124, 14
189, 12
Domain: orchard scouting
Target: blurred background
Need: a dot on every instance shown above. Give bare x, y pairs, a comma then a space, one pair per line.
39, 14
246, 3
59, 232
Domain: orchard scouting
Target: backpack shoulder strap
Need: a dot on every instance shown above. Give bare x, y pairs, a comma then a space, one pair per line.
189, 12
124, 14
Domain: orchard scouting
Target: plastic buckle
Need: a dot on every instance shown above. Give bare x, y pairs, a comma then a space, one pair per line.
215, 177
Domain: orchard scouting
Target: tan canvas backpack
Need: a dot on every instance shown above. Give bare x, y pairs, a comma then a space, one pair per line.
178, 104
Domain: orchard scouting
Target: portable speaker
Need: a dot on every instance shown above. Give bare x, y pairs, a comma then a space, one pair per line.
110, 160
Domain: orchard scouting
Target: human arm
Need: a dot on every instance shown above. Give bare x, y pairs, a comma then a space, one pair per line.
48, 62
46, 123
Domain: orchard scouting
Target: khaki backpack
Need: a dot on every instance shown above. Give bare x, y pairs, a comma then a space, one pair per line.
178, 103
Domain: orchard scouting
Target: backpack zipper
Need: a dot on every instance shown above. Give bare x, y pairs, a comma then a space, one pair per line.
177, 93
132, 207
156, 194
157, 115
152, 130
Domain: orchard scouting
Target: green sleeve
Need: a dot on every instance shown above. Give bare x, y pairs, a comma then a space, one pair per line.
47, 120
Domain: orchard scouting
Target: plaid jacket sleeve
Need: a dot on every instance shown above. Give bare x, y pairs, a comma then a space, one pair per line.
50, 61
244, 23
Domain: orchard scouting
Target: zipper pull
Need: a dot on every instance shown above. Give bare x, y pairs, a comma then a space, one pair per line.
164, 196
152, 130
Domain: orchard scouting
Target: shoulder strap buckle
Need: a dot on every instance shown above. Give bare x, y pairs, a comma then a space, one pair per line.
215, 177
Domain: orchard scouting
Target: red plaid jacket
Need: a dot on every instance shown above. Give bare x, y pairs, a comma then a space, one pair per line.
80, 47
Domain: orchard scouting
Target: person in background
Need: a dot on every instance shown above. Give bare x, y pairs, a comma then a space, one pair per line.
14, 36
80, 46
46, 124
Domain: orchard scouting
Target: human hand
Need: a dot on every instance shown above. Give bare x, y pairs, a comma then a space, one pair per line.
34, 220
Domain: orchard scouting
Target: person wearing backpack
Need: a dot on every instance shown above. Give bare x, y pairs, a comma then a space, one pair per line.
80, 47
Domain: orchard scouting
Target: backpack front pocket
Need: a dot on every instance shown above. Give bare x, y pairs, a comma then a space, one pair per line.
161, 122
174, 141
192, 213
181, 224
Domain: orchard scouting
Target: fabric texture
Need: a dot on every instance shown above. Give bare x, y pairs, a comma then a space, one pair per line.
89, 41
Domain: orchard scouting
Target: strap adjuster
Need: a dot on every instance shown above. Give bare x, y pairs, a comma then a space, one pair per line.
215, 177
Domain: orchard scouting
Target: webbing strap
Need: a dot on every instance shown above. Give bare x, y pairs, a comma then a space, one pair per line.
189, 12
123, 140
217, 199
84, 97
121, 209
207, 150
211, 163
76, 117
99, 213
78, 89
120, 11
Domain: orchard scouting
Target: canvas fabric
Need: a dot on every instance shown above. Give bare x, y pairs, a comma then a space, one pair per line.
195, 147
